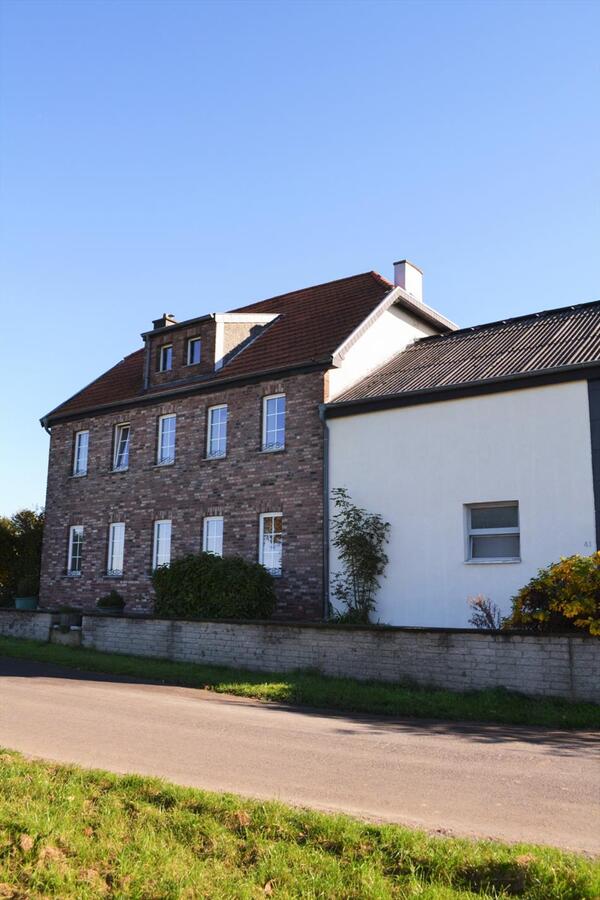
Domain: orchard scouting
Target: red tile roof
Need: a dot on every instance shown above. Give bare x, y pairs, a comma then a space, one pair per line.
312, 323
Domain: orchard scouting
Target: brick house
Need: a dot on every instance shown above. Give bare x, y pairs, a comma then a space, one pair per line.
211, 437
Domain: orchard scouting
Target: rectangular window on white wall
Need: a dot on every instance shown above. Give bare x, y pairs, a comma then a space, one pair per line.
273, 430
161, 551
121, 450
493, 532
166, 440
216, 446
116, 548
270, 546
75, 550
80, 453
212, 537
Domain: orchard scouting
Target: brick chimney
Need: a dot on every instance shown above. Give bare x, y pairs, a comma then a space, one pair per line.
165, 319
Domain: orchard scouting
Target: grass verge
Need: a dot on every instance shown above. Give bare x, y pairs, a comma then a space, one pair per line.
311, 689
71, 833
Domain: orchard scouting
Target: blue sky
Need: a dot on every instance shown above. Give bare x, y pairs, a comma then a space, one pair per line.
189, 157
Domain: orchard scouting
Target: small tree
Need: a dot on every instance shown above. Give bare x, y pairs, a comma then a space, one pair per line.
484, 613
359, 538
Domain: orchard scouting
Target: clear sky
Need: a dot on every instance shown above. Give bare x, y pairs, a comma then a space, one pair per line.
189, 157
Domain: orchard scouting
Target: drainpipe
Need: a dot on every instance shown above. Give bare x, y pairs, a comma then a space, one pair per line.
325, 511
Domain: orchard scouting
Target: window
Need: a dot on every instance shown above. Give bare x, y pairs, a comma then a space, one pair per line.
166, 440
121, 450
165, 358
216, 444
493, 532
273, 433
161, 552
75, 548
116, 548
212, 538
194, 350
80, 455
270, 549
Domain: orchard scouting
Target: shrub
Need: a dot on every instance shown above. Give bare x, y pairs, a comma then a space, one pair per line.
485, 613
28, 586
112, 601
563, 597
207, 586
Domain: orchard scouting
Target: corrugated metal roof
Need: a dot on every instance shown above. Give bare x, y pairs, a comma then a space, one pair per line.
522, 346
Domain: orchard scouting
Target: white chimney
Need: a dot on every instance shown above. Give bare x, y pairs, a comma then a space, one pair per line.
410, 278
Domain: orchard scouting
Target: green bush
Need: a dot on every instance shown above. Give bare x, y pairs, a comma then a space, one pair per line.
563, 597
213, 587
112, 601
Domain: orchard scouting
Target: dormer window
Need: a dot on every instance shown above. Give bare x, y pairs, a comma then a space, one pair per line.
165, 358
194, 351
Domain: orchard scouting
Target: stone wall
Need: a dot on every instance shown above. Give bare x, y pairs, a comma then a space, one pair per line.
20, 624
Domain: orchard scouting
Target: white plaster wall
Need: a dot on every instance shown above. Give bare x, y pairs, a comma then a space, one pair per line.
419, 465
386, 337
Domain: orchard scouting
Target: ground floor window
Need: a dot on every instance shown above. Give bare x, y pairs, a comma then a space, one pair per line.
75, 550
161, 552
493, 532
212, 536
270, 547
116, 548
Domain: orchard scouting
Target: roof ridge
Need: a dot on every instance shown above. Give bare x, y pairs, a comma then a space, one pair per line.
312, 287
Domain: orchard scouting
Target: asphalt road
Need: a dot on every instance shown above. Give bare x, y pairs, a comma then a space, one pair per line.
515, 784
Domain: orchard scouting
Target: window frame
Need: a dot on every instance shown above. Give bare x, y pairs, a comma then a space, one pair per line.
205, 524
210, 411
261, 541
274, 448
190, 342
111, 571
155, 542
471, 532
168, 461
161, 351
75, 472
70, 556
116, 443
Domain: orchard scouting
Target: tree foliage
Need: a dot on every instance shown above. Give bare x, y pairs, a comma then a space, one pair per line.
20, 554
359, 538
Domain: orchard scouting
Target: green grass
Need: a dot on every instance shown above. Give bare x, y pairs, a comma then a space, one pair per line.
312, 689
70, 833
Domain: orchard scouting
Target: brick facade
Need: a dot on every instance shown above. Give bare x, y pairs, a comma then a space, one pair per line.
239, 487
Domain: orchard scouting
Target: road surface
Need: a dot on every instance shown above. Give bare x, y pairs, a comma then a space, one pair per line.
511, 783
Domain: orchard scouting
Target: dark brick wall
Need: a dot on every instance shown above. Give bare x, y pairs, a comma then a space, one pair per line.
239, 487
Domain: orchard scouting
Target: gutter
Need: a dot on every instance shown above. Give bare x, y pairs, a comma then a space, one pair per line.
322, 414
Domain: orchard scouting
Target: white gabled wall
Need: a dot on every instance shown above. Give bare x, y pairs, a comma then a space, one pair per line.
419, 465
390, 333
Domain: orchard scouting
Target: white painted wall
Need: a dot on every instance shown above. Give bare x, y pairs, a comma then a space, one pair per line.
386, 337
419, 465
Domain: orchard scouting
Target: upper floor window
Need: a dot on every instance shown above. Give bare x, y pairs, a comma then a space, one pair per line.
121, 447
161, 551
116, 548
216, 444
75, 550
80, 453
493, 533
194, 350
165, 358
273, 430
270, 545
166, 439
212, 538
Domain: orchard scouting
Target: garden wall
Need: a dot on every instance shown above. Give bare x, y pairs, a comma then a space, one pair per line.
461, 660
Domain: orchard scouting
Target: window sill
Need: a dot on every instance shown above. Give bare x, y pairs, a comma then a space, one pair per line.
119, 471
272, 449
78, 475
215, 458
164, 465
72, 575
493, 562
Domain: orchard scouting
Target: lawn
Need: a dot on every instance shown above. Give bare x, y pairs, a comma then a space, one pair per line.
312, 689
71, 833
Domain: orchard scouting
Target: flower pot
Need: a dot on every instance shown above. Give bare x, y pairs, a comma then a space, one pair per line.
26, 602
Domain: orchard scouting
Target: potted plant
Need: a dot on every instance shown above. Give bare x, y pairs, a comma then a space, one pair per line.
111, 603
27, 591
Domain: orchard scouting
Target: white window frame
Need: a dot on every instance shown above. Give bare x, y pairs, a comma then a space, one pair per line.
206, 538
78, 469
190, 343
261, 542
218, 454
272, 448
71, 557
471, 532
117, 442
116, 549
167, 460
161, 357
156, 548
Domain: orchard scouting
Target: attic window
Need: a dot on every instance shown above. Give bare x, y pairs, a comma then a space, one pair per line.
165, 358
194, 349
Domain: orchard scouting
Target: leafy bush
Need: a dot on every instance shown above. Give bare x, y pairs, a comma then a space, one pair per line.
20, 553
485, 613
204, 585
563, 597
112, 601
